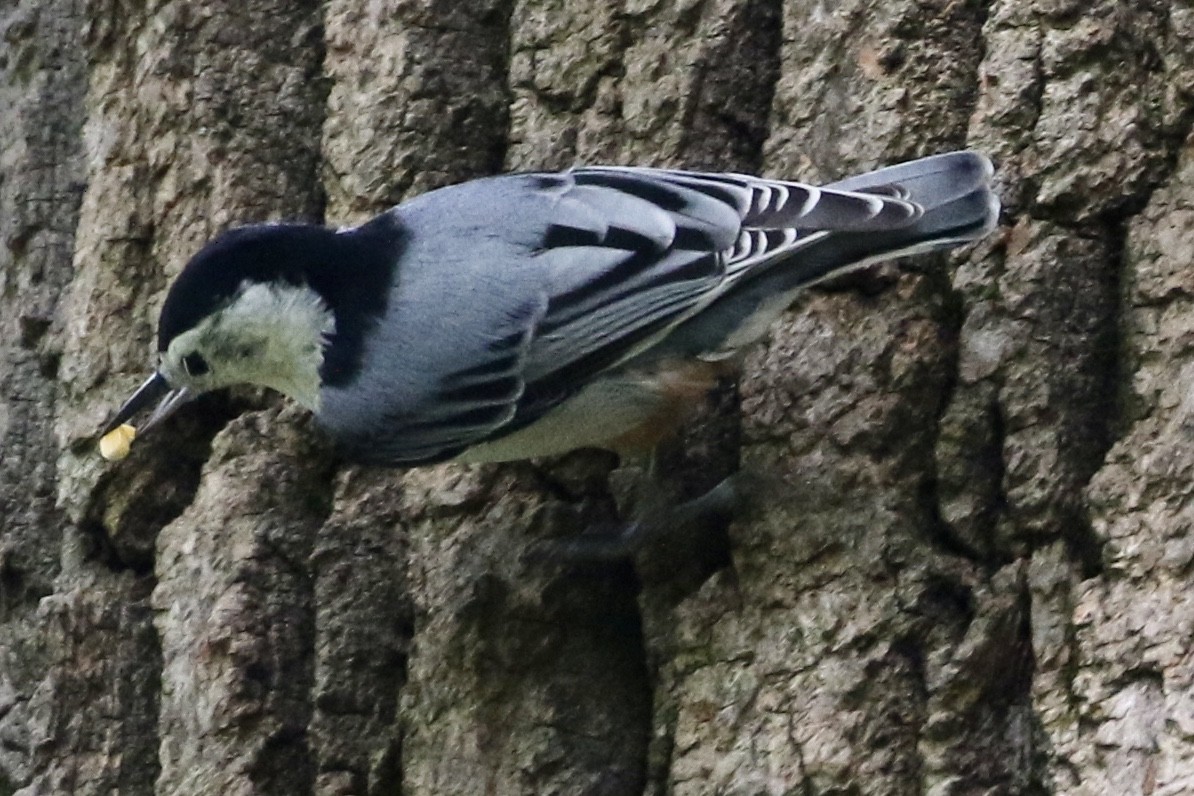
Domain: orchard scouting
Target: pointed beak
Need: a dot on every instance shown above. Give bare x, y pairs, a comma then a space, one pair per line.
153, 389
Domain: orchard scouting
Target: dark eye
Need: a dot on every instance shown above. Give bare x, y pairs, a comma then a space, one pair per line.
194, 365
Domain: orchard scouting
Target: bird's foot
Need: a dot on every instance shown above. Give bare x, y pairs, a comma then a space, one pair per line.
661, 530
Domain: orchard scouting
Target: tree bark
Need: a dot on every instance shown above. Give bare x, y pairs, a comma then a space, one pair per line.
964, 570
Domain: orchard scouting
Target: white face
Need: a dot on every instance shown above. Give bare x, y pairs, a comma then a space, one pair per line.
270, 335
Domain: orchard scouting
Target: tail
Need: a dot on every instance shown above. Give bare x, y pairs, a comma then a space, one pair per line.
954, 190
953, 204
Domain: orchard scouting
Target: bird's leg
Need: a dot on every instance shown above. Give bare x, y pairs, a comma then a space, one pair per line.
662, 526
678, 495
668, 526
659, 529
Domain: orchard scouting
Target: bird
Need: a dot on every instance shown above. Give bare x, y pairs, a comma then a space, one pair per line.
526, 315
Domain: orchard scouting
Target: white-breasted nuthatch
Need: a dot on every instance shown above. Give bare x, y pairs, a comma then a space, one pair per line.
531, 314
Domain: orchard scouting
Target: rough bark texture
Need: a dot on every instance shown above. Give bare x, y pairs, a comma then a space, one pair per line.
966, 568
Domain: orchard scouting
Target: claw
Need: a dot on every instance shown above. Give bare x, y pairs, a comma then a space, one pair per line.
672, 532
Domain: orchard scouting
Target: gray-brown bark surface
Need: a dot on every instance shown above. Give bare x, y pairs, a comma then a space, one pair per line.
967, 568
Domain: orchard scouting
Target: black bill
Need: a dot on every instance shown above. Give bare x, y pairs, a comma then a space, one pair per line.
154, 389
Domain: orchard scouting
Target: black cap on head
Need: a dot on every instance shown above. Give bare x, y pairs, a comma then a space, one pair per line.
260, 253
352, 271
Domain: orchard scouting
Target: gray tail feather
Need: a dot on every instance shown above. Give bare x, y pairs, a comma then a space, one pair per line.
954, 189
959, 207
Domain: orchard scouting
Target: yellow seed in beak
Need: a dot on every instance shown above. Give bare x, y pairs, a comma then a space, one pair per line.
115, 444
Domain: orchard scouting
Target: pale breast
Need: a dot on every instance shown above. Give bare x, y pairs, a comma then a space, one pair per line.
628, 412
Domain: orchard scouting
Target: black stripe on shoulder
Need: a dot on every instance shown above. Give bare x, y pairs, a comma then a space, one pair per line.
653, 191
562, 235
559, 306
357, 286
715, 189
693, 239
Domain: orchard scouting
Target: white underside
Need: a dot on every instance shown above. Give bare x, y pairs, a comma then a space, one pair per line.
600, 412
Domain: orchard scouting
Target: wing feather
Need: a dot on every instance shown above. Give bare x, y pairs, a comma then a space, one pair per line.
607, 260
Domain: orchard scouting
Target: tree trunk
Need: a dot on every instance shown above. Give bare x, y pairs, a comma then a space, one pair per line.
965, 568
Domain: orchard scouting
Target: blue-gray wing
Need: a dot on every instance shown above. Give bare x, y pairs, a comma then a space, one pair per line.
513, 292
